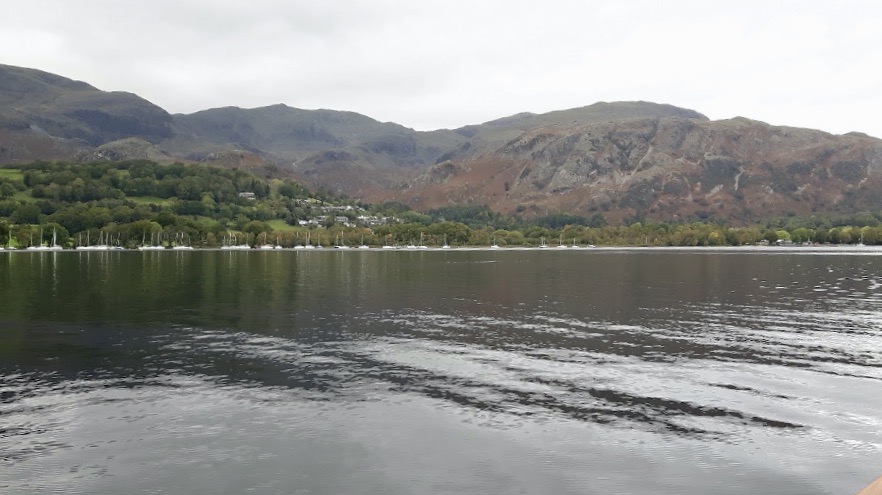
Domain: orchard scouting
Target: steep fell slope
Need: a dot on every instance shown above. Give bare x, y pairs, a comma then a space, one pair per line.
737, 170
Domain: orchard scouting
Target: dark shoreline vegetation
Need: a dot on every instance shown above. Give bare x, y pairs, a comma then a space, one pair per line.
138, 201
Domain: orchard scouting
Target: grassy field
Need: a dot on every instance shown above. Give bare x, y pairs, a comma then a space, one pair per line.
149, 200
279, 225
207, 222
11, 173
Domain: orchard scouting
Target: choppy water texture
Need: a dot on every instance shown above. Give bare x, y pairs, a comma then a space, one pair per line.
567, 372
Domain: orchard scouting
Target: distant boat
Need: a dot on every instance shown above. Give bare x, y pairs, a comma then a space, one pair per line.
54, 246
308, 245
561, 245
494, 245
265, 245
230, 243
445, 246
149, 247
102, 243
39, 247
542, 244
363, 245
341, 244
180, 245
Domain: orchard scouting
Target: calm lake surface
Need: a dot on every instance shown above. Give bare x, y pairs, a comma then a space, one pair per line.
487, 372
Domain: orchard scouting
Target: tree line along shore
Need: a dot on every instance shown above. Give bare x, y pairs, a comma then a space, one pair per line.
133, 203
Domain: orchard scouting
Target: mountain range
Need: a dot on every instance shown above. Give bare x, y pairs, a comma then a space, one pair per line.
620, 160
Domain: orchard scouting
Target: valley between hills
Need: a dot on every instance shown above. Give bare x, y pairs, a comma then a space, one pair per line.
619, 161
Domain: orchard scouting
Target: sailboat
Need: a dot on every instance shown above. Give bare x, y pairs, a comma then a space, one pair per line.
421, 245
80, 245
542, 244
182, 246
102, 243
39, 247
342, 243
308, 244
561, 245
153, 246
445, 246
363, 245
494, 245
265, 245
54, 246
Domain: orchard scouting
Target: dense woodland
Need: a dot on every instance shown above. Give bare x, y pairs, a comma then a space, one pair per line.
133, 202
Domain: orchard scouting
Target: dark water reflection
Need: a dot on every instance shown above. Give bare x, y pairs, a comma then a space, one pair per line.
440, 372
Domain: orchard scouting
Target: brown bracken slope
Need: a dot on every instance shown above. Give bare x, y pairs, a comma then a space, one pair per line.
621, 160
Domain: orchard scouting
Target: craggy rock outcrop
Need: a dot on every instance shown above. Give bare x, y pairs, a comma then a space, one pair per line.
735, 170
621, 160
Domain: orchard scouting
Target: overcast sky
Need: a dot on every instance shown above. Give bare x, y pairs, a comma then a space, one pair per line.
433, 64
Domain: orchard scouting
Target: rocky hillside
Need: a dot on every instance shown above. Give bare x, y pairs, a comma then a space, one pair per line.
47, 116
344, 151
667, 168
622, 160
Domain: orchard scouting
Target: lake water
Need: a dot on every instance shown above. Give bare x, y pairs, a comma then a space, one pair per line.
461, 372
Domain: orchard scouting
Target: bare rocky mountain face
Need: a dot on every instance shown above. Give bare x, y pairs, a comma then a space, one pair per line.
622, 160
735, 170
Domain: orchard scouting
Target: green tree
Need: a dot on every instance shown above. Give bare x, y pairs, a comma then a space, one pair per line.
256, 227
27, 213
6, 190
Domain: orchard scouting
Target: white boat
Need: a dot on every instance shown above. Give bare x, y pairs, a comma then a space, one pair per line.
445, 245
39, 247
265, 245
542, 244
180, 244
561, 245
101, 246
54, 246
341, 244
363, 245
494, 245
149, 247
230, 244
